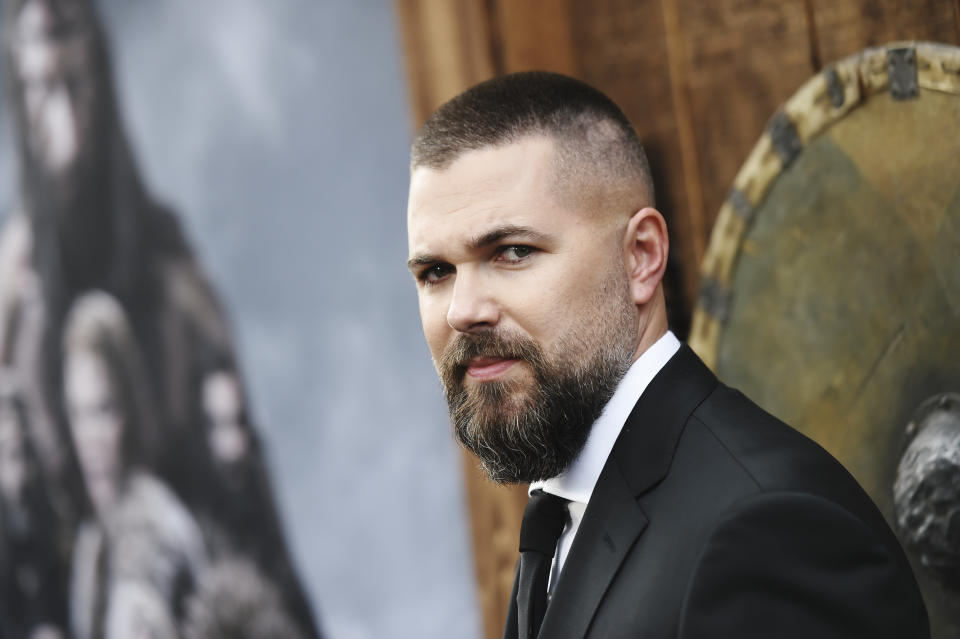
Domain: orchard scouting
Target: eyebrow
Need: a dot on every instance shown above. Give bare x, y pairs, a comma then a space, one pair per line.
483, 240
503, 232
421, 260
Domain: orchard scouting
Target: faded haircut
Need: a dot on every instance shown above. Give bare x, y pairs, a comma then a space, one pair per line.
595, 142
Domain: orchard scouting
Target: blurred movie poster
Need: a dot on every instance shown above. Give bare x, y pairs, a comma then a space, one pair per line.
134, 498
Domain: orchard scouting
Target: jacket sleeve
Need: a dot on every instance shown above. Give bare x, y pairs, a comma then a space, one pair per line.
793, 565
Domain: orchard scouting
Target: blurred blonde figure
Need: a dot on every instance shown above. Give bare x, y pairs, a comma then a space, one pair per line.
140, 553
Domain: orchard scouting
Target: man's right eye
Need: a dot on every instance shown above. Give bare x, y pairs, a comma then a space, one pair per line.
435, 273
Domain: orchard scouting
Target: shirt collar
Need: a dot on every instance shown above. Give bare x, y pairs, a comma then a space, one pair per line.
577, 482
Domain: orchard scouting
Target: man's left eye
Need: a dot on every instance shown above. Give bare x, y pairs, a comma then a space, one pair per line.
516, 253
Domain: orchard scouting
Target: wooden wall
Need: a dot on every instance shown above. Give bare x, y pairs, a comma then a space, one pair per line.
698, 79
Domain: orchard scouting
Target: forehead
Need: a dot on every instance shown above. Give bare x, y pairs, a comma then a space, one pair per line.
509, 184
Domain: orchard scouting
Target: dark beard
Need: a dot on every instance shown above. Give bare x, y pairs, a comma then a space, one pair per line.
524, 432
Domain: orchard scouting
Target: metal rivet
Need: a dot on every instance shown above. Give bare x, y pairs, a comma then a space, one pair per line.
902, 71
784, 136
834, 88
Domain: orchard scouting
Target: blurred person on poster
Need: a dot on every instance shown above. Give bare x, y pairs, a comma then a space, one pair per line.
86, 221
139, 554
236, 495
32, 583
236, 600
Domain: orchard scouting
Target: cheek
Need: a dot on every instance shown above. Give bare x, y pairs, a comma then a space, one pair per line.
549, 297
565, 302
433, 319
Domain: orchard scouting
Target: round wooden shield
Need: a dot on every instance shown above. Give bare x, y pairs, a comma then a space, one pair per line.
831, 286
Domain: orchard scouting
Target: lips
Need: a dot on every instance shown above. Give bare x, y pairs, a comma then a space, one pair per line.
487, 368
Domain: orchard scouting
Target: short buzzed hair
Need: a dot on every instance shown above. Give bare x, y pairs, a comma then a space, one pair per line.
594, 139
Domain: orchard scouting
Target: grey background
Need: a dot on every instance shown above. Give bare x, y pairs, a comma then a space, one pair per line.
279, 131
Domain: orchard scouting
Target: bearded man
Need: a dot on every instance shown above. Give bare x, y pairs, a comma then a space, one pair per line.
663, 503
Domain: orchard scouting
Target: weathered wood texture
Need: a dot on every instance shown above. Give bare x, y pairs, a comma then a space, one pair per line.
448, 47
843, 28
699, 80
623, 49
534, 34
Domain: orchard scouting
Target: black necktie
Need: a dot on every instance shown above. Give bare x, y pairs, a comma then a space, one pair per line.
543, 522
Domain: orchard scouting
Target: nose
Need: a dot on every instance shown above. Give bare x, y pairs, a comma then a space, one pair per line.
471, 308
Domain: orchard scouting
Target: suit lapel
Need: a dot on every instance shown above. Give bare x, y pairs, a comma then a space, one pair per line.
510, 627
613, 520
609, 529
646, 445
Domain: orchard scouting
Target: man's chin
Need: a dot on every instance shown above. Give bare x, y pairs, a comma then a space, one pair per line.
516, 474
500, 419
510, 452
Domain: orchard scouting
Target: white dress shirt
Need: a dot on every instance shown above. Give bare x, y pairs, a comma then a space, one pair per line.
577, 482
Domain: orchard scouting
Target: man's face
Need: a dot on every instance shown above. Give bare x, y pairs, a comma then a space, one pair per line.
525, 305
223, 407
52, 58
96, 420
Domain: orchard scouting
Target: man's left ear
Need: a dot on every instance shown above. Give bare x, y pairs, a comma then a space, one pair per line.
646, 246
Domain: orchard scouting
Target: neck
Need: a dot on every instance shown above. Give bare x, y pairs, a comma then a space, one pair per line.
653, 325
104, 492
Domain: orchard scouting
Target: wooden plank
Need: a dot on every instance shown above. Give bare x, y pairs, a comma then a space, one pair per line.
741, 60
847, 26
621, 48
816, 56
448, 48
956, 18
689, 153
535, 34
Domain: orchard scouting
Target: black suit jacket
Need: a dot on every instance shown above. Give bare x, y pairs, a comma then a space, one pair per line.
711, 518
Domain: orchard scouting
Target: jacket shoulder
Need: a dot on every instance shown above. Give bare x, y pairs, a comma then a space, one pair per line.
798, 565
739, 439
774, 455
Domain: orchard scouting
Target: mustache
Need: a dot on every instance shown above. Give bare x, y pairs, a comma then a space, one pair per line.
467, 346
